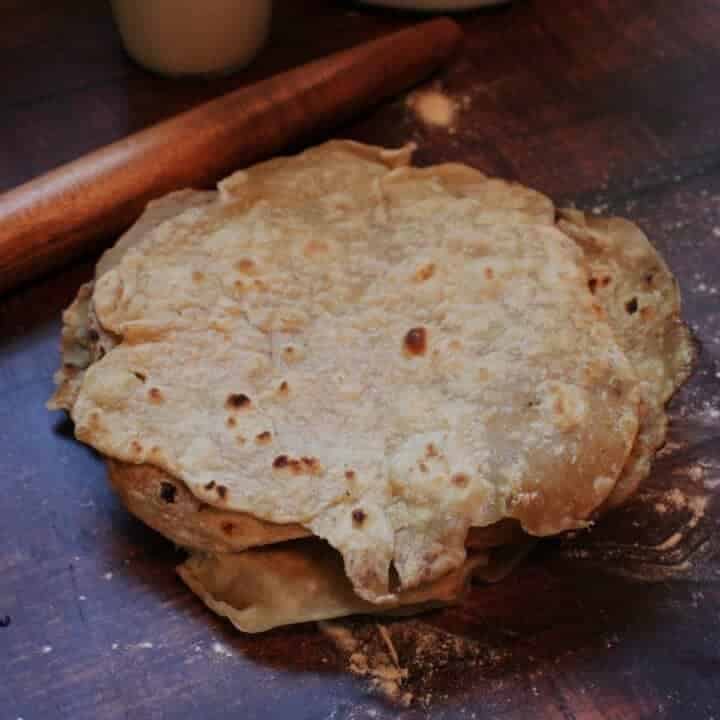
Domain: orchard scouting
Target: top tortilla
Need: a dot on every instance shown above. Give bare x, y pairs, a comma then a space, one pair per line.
384, 355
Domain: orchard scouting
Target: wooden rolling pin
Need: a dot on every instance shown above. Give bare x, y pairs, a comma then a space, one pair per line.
50, 220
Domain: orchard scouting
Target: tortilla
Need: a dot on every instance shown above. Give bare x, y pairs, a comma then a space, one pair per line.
642, 301
438, 307
166, 505
304, 580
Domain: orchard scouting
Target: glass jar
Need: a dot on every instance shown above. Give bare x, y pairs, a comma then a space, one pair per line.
193, 37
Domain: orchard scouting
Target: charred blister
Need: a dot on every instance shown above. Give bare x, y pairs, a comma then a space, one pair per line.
167, 492
280, 462
155, 396
631, 306
222, 492
358, 517
263, 438
237, 401
298, 466
415, 341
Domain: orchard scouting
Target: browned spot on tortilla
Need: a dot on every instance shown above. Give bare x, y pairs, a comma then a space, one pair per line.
649, 278
236, 401
240, 440
210, 485
631, 306
259, 285
298, 466
245, 265
167, 492
140, 376
423, 467
460, 480
315, 247
263, 438
227, 528
396, 489
647, 312
431, 450
136, 447
455, 345
416, 341
606, 281
424, 272
358, 517
239, 287
598, 310
155, 395
198, 277
284, 388
350, 474
222, 491
489, 273
592, 285
231, 421
93, 335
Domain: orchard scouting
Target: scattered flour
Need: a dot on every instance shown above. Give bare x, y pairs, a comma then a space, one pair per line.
434, 108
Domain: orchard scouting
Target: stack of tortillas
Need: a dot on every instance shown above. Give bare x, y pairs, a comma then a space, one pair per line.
347, 385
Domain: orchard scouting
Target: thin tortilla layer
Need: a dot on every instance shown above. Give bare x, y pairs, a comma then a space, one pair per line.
642, 301
302, 581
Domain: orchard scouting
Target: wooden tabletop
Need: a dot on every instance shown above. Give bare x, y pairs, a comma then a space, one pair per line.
610, 104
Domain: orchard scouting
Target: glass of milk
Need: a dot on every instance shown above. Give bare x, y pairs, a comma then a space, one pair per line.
193, 37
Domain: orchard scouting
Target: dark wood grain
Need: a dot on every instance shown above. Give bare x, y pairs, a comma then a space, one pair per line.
611, 104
